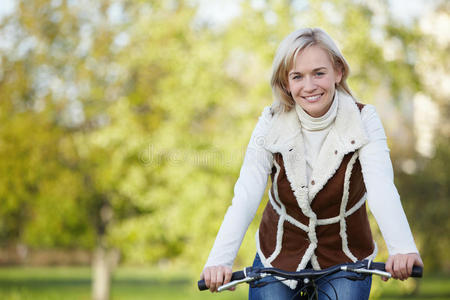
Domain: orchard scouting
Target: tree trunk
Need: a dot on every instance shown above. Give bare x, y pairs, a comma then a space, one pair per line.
103, 264
101, 274
105, 259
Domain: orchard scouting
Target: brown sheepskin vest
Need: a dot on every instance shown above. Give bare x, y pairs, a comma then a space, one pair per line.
331, 228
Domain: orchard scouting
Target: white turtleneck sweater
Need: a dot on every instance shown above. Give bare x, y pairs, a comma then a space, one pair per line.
382, 196
314, 131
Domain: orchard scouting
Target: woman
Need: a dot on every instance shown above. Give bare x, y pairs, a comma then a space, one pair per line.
325, 154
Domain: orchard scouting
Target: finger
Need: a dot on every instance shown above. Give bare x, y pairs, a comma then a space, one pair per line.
399, 268
219, 278
212, 286
418, 261
403, 273
404, 267
207, 276
212, 279
228, 274
410, 265
388, 265
394, 270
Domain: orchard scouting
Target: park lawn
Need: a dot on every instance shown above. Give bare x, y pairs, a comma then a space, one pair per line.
140, 283
432, 286
56, 283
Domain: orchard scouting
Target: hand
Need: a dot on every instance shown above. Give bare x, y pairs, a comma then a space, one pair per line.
400, 265
216, 276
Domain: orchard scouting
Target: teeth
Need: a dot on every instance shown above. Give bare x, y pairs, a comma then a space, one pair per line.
312, 98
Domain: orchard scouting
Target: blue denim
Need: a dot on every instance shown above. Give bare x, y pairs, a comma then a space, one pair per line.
345, 289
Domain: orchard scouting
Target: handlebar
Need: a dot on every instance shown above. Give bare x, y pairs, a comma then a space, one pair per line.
417, 271
366, 267
238, 275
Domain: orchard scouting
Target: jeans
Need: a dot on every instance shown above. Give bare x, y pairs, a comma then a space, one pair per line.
345, 289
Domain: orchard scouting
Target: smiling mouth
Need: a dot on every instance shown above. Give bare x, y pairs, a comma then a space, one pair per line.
313, 98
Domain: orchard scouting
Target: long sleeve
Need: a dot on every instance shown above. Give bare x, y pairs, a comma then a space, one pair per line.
248, 192
383, 198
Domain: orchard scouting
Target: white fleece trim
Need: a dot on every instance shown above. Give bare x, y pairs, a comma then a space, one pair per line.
280, 229
279, 240
290, 283
295, 167
312, 231
260, 253
315, 262
329, 221
296, 223
344, 201
356, 206
282, 209
374, 253
275, 204
336, 219
307, 211
275, 186
288, 217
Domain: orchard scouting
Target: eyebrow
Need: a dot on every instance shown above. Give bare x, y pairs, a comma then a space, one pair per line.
314, 70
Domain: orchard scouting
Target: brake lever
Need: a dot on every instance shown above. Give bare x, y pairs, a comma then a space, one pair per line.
364, 271
233, 283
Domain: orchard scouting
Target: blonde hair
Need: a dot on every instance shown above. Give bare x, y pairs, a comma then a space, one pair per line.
285, 59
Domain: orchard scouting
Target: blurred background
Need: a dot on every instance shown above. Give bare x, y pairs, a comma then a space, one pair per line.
123, 125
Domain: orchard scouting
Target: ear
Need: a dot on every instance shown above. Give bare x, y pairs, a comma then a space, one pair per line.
287, 88
338, 73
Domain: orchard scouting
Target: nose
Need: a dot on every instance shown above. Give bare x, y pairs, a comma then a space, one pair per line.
309, 84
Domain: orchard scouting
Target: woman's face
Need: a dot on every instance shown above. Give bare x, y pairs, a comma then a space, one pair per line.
312, 81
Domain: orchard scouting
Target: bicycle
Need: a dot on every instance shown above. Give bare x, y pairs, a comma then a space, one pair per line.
307, 277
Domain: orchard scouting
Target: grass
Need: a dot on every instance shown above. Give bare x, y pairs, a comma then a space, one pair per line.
55, 283
133, 283
432, 286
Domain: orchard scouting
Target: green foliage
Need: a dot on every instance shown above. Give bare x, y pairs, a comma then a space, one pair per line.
427, 193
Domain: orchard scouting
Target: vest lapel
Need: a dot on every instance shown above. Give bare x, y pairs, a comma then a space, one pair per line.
346, 135
285, 137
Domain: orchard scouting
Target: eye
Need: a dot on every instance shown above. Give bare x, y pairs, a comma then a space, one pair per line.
320, 74
296, 77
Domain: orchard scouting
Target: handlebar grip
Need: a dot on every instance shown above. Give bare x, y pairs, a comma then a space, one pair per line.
235, 276
416, 271
202, 285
